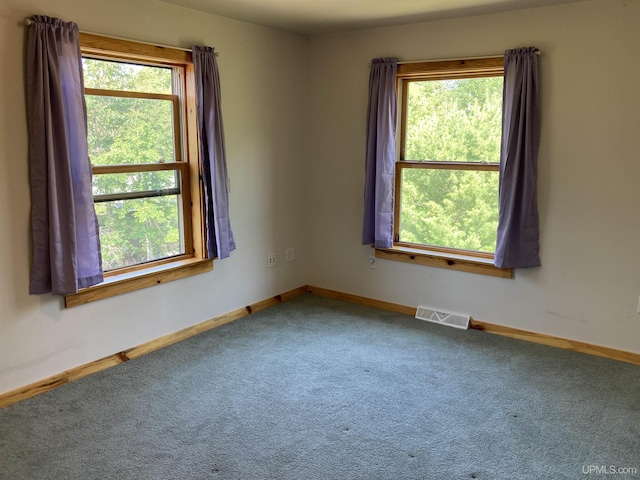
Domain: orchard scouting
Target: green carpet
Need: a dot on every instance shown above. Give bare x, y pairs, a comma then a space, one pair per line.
320, 389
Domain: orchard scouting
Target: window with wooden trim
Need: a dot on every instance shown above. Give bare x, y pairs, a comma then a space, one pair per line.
449, 153
143, 147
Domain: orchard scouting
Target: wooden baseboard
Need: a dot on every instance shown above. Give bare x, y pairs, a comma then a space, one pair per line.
68, 376
76, 373
540, 338
369, 302
567, 344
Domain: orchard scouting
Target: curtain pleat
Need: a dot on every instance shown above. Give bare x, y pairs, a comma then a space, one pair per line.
518, 230
66, 244
380, 154
220, 241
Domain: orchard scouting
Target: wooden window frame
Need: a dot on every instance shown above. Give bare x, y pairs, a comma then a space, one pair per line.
469, 166
434, 255
194, 260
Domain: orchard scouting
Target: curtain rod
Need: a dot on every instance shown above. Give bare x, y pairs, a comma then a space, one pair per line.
27, 21
460, 58
454, 59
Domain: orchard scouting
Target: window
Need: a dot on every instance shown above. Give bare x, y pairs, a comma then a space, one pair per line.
449, 154
144, 154
140, 182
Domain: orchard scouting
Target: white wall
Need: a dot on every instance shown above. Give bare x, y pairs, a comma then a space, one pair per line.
589, 170
263, 75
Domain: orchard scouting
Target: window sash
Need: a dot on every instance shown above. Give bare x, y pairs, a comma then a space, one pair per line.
174, 99
184, 190
438, 70
483, 167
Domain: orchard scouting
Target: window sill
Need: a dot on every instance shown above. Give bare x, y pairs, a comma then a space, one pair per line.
451, 261
139, 279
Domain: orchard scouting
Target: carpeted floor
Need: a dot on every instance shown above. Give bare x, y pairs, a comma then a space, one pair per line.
320, 389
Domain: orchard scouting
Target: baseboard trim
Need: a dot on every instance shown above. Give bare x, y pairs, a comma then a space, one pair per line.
28, 391
366, 301
558, 342
47, 384
606, 352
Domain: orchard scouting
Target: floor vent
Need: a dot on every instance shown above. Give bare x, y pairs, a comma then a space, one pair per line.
456, 320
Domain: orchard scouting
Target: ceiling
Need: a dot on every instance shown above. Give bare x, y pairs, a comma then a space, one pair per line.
310, 17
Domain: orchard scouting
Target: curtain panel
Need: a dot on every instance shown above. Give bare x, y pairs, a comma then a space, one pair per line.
380, 154
220, 241
518, 230
66, 245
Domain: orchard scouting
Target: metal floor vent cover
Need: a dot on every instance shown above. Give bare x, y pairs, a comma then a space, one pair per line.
451, 319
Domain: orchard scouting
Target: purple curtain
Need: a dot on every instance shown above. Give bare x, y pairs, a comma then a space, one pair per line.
213, 160
380, 155
518, 232
66, 245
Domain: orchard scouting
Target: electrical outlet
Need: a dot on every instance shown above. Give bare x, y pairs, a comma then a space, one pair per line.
291, 254
271, 260
372, 260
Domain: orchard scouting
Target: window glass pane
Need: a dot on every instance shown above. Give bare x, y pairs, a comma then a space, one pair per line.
114, 183
139, 230
110, 75
129, 130
454, 120
449, 208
